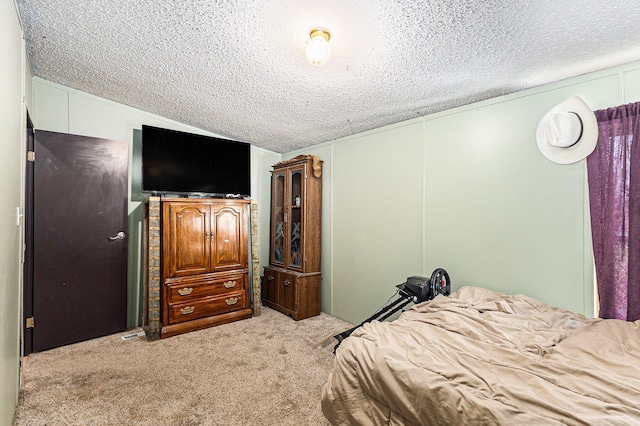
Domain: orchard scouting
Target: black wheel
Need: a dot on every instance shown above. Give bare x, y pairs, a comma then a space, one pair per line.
440, 283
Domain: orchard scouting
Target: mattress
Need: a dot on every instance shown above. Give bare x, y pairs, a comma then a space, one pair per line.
485, 358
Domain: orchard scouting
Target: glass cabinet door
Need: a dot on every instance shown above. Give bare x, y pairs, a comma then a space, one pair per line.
279, 219
295, 221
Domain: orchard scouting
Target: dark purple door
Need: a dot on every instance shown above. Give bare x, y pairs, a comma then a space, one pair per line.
79, 238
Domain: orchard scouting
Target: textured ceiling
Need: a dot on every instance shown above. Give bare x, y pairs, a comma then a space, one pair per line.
238, 69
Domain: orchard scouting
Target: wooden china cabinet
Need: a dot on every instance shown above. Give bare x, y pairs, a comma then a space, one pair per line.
292, 280
204, 263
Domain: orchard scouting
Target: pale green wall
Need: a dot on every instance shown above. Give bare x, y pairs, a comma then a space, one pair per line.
61, 109
377, 215
13, 74
467, 190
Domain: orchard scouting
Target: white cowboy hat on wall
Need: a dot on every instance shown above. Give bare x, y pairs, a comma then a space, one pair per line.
568, 132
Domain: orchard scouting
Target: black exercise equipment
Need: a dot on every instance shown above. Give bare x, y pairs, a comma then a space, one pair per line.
414, 290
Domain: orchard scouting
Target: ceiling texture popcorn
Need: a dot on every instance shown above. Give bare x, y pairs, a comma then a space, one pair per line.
238, 68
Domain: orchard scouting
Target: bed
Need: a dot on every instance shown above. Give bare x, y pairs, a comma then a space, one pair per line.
479, 357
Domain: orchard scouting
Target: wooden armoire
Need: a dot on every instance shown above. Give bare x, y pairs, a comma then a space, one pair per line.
205, 263
291, 282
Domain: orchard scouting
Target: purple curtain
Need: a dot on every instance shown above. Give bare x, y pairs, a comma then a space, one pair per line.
614, 196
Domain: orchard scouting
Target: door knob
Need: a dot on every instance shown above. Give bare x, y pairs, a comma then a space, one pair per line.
119, 236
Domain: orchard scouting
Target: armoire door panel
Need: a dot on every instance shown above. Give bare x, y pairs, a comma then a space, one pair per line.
191, 251
278, 220
270, 286
296, 231
229, 251
288, 291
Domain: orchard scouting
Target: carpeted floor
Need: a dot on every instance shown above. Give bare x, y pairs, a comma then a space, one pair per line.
266, 370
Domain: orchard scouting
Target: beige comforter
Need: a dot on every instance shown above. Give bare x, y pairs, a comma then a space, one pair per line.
483, 358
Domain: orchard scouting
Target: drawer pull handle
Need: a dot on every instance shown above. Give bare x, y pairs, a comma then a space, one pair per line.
229, 284
187, 310
270, 278
185, 291
232, 301
287, 282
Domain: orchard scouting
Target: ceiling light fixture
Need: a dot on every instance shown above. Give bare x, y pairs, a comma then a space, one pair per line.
318, 48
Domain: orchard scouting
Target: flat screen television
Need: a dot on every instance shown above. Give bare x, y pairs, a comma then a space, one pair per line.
182, 163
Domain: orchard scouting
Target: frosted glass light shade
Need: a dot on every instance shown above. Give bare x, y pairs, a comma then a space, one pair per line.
318, 48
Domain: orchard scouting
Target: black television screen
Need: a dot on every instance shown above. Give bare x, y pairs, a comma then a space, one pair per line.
185, 163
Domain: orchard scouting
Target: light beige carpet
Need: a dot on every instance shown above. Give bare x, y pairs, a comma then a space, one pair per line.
266, 370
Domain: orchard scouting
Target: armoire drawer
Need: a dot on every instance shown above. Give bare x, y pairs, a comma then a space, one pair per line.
191, 290
200, 308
